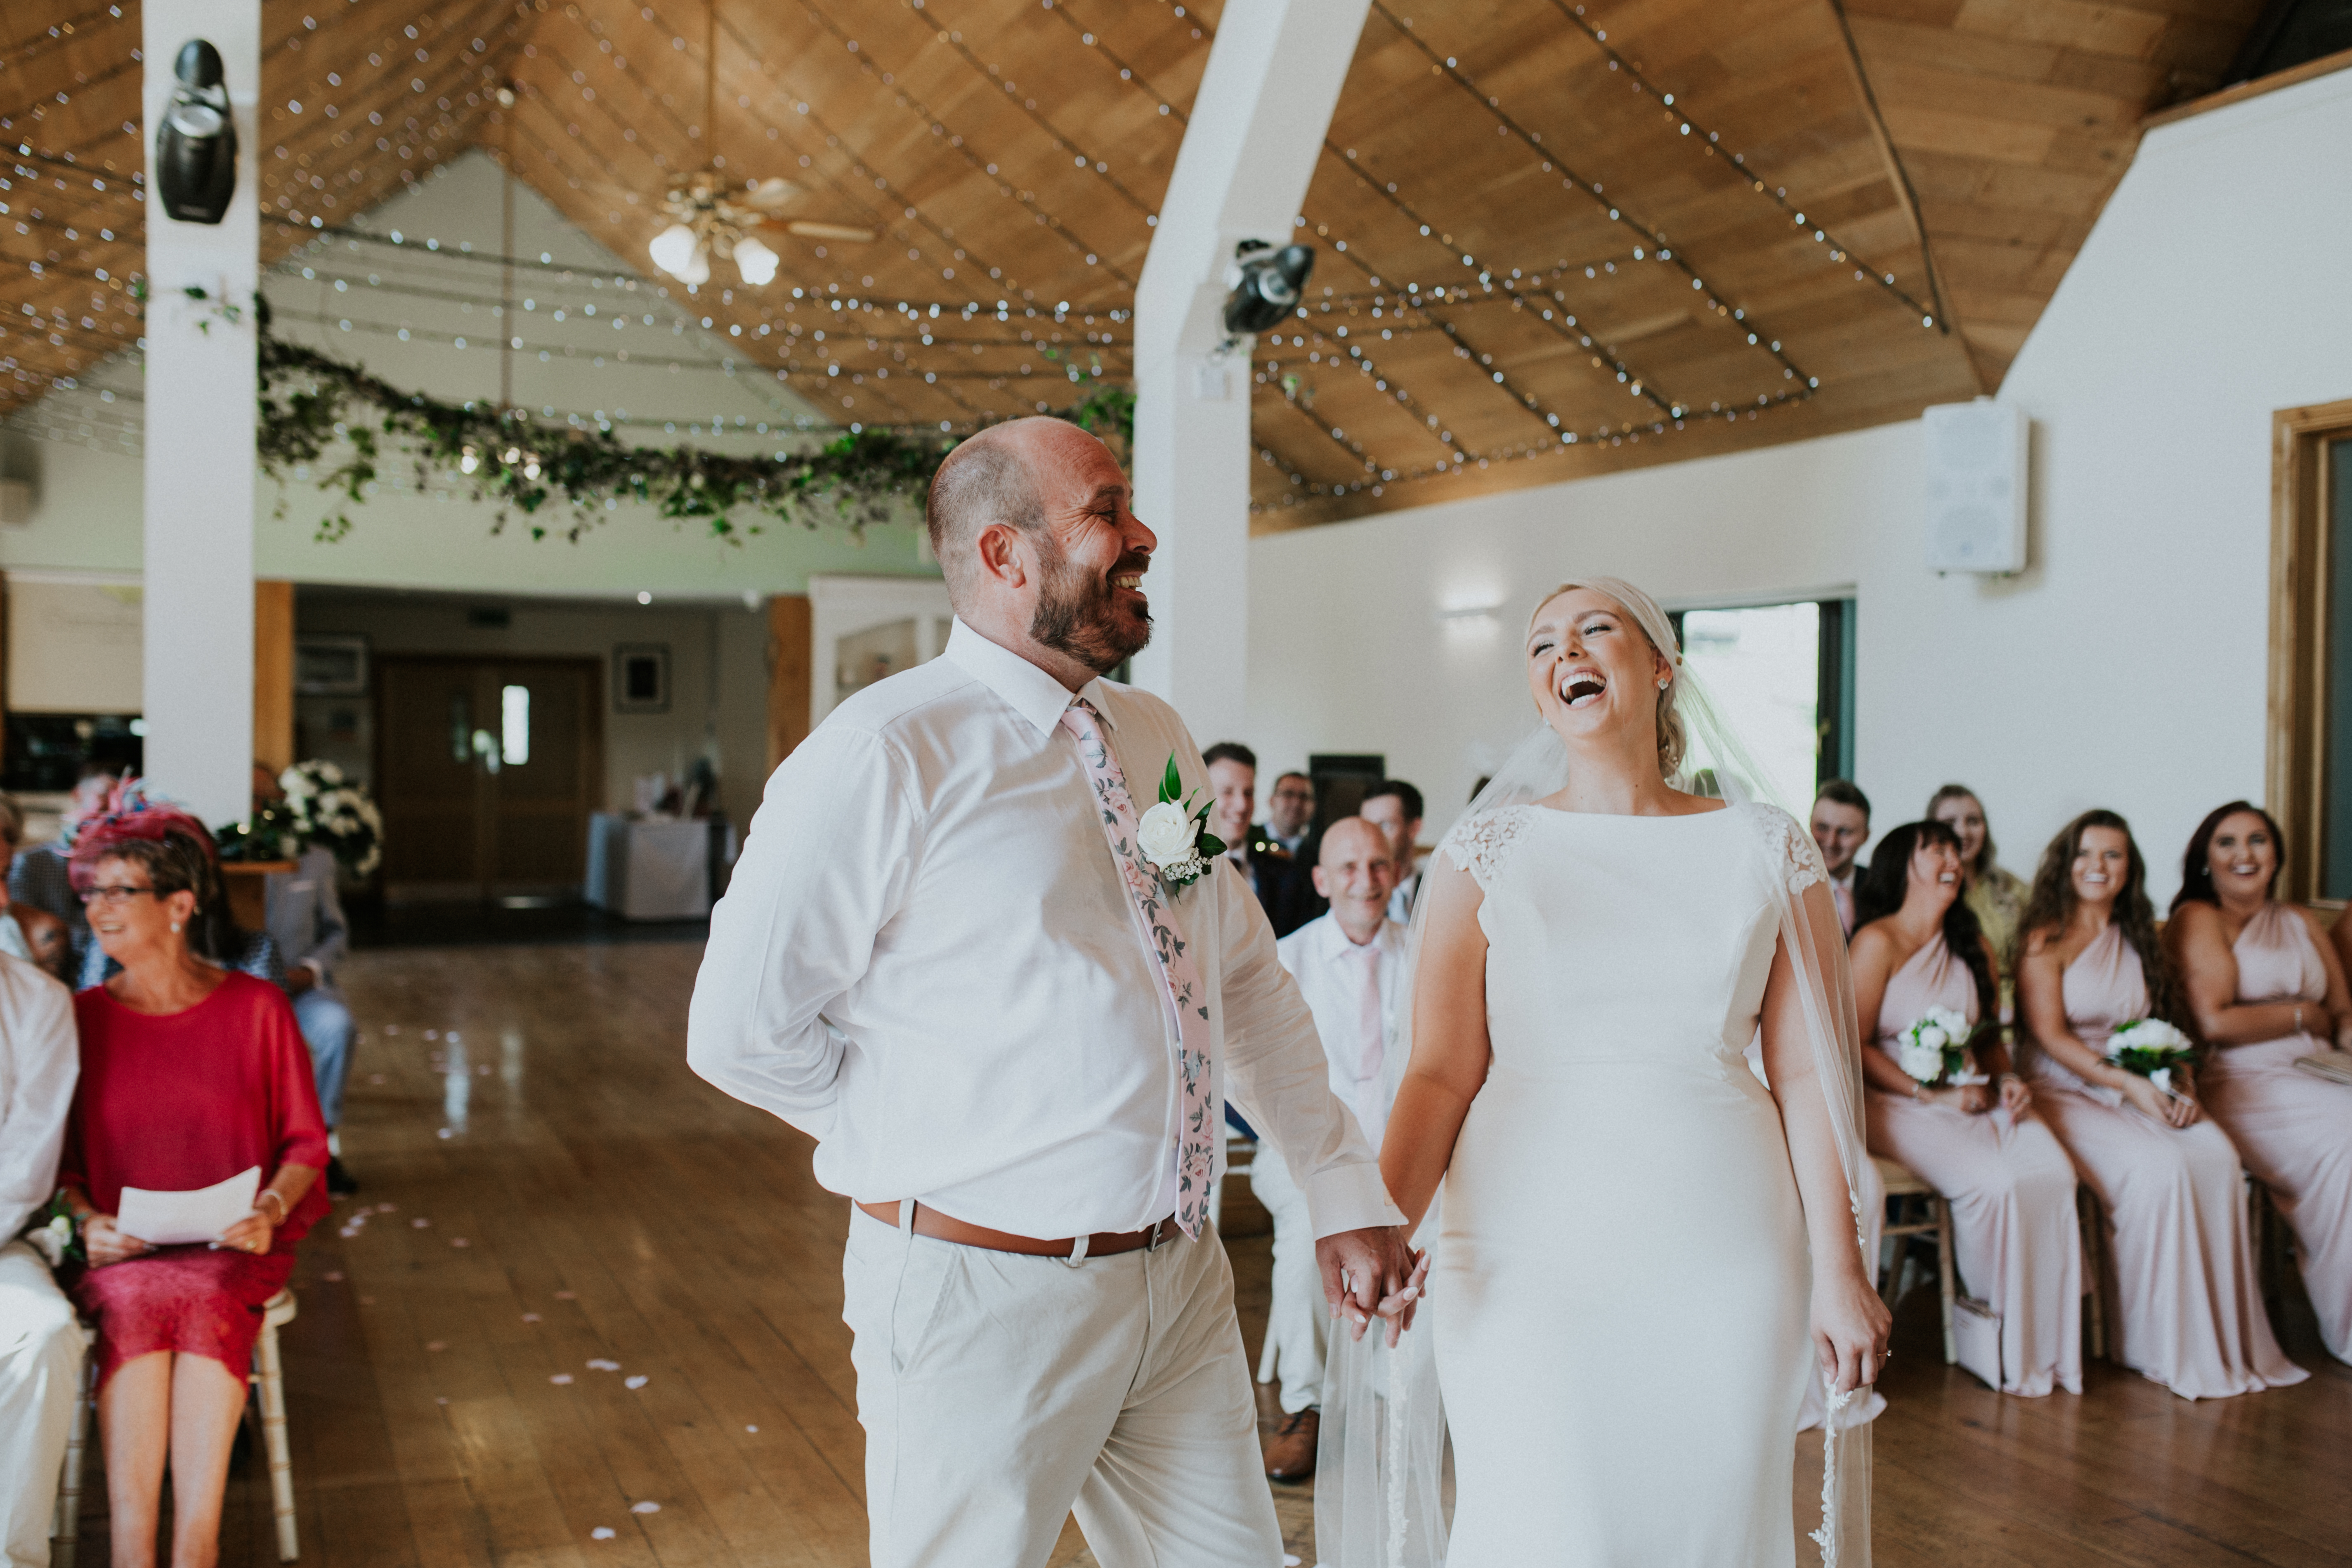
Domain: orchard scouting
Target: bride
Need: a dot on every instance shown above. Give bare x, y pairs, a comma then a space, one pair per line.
1641, 1254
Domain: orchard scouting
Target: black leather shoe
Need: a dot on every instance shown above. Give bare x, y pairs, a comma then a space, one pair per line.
341, 1182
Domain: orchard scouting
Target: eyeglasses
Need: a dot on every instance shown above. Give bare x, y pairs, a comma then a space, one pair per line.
110, 897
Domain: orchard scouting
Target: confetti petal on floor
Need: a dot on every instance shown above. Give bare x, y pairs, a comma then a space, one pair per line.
750, 1428
602, 1532
639, 1381
566, 1295
598, 1363
332, 1276
531, 1316
459, 1241
561, 1378
375, 1078
445, 1132
644, 1508
420, 1224
436, 1345
385, 1208
440, 1399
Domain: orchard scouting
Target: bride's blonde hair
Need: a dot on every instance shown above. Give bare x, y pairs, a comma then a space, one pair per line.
1659, 631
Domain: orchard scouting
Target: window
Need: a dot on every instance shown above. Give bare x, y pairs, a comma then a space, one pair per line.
1782, 678
514, 725
2309, 781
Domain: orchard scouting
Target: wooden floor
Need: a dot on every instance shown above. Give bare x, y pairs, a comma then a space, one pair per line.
548, 1193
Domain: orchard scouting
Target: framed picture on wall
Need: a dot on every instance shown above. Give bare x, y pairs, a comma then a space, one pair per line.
641, 678
327, 666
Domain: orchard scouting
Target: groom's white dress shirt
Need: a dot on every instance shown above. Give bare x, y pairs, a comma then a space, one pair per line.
927, 962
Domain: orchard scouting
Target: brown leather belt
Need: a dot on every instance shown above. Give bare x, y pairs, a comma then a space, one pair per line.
1102, 1244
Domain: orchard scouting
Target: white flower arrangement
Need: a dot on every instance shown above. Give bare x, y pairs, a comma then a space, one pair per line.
2150, 1047
1934, 1049
327, 808
1174, 836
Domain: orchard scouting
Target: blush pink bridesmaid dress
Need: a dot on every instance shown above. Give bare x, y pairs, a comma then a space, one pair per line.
2294, 1131
2014, 1233
2188, 1310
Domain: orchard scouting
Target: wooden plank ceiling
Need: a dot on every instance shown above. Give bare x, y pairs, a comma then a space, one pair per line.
1554, 239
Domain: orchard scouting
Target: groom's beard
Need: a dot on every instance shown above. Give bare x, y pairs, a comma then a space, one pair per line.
1078, 614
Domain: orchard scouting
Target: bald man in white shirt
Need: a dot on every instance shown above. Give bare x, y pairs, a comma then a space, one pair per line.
1349, 964
40, 1344
946, 956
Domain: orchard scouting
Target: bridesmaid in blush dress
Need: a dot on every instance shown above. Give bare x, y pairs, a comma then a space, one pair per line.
2266, 990
2012, 1188
2181, 1265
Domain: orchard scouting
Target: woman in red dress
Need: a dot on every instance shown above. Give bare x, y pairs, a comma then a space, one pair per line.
190, 1074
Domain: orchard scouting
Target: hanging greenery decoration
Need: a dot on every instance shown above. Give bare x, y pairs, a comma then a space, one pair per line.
319, 412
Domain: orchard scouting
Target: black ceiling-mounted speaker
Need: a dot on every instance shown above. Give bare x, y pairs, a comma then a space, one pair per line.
1269, 285
196, 151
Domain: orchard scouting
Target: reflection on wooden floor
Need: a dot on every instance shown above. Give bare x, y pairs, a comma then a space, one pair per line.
592, 1295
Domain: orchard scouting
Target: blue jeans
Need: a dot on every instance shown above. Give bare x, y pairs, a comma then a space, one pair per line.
326, 1026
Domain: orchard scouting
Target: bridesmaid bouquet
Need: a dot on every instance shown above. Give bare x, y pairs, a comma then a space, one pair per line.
1935, 1048
2150, 1047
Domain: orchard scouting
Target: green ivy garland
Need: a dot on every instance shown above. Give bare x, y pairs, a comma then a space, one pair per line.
310, 401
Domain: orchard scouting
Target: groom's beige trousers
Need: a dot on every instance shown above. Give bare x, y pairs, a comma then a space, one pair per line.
1000, 1393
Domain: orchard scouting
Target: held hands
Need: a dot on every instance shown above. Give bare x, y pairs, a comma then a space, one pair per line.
107, 1244
1373, 1273
1972, 1098
2015, 1097
1849, 1328
251, 1234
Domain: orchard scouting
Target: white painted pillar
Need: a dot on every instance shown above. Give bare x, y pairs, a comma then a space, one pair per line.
1257, 126
199, 437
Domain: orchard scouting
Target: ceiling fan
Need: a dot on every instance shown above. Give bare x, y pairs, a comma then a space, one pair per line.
712, 212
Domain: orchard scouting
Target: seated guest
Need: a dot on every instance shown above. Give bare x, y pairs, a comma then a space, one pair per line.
305, 917
41, 1343
2266, 989
1289, 814
1349, 967
2180, 1257
190, 1074
216, 935
2012, 1188
1996, 894
1841, 827
28, 933
40, 875
1394, 807
1282, 890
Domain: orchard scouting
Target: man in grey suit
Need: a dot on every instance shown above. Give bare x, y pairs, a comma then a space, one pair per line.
305, 918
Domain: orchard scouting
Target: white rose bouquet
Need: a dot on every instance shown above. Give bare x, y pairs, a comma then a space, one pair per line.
52, 1234
323, 807
1174, 836
1934, 1049
2150, 1047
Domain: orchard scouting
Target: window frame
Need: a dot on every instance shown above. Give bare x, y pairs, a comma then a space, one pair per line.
1834, 717
2295, 761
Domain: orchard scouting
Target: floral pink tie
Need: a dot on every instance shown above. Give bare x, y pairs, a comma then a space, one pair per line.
1195, 1154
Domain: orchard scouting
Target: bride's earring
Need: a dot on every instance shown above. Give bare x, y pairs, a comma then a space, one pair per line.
175, 925
1663, 684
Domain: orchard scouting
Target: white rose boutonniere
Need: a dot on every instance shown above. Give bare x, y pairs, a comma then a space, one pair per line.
1174, 836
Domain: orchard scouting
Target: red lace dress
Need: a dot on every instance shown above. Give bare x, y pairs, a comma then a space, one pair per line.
177, 1100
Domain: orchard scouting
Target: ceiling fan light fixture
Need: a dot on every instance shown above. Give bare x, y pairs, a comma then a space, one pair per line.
755, 261
677, 252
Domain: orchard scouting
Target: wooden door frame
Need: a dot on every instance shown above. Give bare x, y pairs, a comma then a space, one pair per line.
2295, 765
596, 667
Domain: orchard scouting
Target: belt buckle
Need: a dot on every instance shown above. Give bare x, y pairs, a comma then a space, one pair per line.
1152, 1237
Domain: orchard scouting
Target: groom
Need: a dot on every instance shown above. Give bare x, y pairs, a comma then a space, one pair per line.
945, 957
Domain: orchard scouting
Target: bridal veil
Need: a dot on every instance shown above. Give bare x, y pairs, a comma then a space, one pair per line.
1380, 1488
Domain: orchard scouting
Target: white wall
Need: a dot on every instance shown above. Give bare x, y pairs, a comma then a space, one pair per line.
2125, 668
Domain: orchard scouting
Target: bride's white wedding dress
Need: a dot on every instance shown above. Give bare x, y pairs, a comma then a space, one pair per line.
1621, 1291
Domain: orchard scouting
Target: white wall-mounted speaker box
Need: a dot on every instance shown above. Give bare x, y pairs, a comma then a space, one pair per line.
15, 502
1975, 459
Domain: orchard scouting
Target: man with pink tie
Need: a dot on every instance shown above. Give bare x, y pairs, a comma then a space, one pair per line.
1842, 826
1350, 965
1007, 992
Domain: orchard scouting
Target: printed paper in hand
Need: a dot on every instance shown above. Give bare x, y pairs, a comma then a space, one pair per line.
170, 1220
